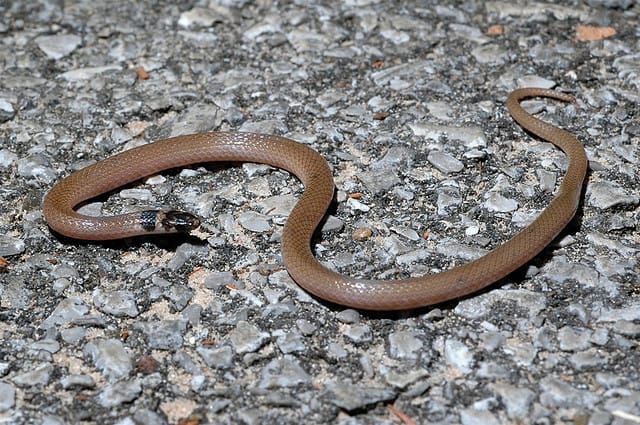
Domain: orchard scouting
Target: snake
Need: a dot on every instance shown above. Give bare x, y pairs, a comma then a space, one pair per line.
61, 202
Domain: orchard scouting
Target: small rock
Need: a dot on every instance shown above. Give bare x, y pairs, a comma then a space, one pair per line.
444, 162
458, 355
116, 303
198, 17
110, 356
7, 396
219, 358
58, 46
246, 338
352, 397
119, 393
163, 334
556, 393
218, 280
39, 375
77, 381
606, 195
254, 221
348, 316
495, 202
478, 417
359, 333
517, 400
289, 342
404, 345
283, 373
7, 112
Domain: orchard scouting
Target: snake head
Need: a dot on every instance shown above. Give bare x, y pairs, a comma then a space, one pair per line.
171, 221
178, 221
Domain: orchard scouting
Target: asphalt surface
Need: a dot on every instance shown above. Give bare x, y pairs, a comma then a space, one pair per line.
406, 102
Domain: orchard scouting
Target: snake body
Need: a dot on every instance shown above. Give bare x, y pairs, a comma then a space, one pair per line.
312, 169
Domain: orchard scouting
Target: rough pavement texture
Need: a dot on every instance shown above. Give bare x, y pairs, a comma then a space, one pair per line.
406, 101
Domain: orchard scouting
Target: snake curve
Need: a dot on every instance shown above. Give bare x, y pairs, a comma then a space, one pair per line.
312, 169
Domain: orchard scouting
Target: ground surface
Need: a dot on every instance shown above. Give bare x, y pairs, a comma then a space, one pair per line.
406, 101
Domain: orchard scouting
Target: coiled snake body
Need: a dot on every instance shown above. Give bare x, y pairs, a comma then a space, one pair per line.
313, 171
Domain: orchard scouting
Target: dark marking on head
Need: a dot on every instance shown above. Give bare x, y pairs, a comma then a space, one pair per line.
179, 221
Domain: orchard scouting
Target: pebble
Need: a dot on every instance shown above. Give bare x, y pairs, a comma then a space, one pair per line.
198, 17
77, 381
179, 296
10, 246
404, 345
559, 394
88, 73
7, 396
111, 357
478, 417
571, 338
485, 304
458, 355
377, 181
517, 400
606, 195
247, 338
289, 342
352, 397
359, 333
7, 112
356, 205
218, 358
67, 311
39, 375
495, 202
349, 316
119, 393
184, 253
444, 162
163, 334
254, 222
116, 303
471, 137
283, 373
59, 45
362, 233
36, 167
218, 280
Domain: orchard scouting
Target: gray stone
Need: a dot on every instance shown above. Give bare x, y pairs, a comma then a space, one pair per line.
118, 393
163, 334
254, 221
7, 158
283, 373
59, 45
38, 376
111, 357
358, 333
7, 396
289, 342
517, 400
444, 162
477, 417
219, 358
116, 303
557, 393
404, 345
351, 397
247, 338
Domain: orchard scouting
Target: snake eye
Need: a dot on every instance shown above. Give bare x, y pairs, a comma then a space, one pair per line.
179, 221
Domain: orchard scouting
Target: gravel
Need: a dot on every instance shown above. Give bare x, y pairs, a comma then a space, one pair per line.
407, 105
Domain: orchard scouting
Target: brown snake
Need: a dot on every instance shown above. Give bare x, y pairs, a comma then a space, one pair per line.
313, 171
